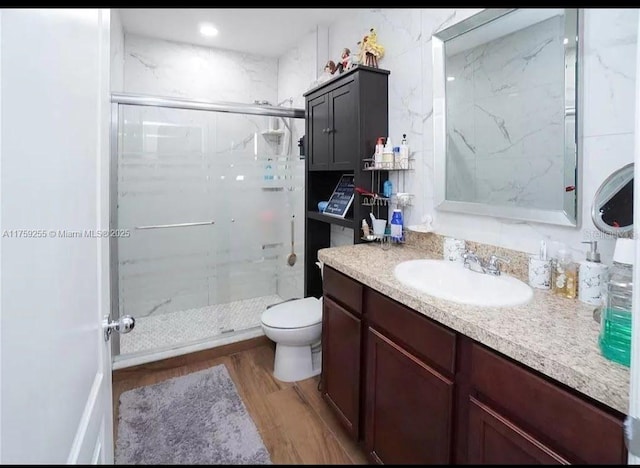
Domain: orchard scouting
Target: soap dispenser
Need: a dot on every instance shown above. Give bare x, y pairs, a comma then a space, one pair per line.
592, 275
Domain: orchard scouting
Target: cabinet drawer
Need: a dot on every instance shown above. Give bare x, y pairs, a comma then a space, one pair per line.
422, 336
549, 412
342, 288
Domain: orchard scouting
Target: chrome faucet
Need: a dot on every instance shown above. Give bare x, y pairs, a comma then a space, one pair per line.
493, 268
472, 262
490, 267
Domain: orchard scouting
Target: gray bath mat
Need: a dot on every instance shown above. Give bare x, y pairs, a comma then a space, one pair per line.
197, 418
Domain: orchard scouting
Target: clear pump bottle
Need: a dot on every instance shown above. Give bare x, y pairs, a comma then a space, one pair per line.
615, 321
565, 275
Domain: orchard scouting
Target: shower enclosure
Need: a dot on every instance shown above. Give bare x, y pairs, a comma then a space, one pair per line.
203, 199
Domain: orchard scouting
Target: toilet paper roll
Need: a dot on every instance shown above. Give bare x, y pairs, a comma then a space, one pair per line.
539, 273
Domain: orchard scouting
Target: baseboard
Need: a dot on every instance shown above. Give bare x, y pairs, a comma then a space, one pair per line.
119, 375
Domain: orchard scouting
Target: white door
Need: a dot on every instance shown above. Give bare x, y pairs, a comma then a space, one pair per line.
55, 366
634, 392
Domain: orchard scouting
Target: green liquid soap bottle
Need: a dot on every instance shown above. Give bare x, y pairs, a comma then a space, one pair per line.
615, 321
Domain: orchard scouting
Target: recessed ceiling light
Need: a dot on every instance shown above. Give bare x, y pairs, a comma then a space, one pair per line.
451, 78
208, 30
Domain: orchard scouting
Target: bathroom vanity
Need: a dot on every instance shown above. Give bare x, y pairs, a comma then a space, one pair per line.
416, 379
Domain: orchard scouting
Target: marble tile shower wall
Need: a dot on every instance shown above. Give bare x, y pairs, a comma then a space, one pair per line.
504, 125
297, 69
164, 68
608, 113
117, 52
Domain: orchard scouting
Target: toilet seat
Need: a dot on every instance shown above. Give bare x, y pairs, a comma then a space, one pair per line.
300, 313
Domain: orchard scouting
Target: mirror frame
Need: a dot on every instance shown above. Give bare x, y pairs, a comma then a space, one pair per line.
621, 177
558, 217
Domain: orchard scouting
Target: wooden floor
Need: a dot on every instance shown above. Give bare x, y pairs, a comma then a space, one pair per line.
296, 425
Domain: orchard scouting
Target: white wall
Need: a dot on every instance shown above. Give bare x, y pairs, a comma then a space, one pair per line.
608, 112
163, 68
117, 52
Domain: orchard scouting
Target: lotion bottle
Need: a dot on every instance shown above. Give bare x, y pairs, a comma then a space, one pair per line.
396, 225
592, 276
387, 154
377, 157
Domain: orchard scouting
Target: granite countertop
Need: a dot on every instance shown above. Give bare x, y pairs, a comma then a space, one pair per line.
551, 334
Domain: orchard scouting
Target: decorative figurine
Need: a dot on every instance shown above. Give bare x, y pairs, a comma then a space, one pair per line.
330, 67
346, 62
370, 50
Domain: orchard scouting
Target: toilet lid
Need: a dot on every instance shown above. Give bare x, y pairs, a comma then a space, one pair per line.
294, 314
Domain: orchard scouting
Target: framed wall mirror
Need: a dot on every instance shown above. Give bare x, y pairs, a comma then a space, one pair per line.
505, 119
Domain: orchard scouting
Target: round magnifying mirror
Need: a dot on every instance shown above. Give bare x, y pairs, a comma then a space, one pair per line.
612, 208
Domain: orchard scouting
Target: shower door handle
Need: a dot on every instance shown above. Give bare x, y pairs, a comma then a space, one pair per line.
124, 324
162, 226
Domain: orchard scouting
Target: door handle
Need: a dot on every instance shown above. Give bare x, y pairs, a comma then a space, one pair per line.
124, 324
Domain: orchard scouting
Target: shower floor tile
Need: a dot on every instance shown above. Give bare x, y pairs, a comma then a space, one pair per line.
183, 327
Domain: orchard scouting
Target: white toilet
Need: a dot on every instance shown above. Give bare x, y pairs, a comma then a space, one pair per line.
295, 326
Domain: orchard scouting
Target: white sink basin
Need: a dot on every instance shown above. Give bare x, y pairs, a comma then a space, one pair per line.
451, 281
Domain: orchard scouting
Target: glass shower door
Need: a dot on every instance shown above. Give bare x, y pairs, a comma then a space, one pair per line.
207, 199
162, 180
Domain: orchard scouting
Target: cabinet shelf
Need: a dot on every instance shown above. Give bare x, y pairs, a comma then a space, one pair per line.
346, 222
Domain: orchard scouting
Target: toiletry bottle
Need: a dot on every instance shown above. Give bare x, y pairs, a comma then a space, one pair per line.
540, 269
591, 276
404, 153
387, 154
387, 188
396, 157
564, 281
396, 225
377, 157
615, 322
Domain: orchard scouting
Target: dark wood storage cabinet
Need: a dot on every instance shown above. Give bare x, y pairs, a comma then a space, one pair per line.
413, 391
408, 406
333, 128
341, 353
344, 117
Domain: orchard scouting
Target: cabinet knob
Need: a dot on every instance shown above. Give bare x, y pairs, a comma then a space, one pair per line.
324, 130
330, 130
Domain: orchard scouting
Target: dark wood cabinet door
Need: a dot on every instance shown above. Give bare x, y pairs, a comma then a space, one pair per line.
344, 131
492, 439
341, 363
408, 406
318, 129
